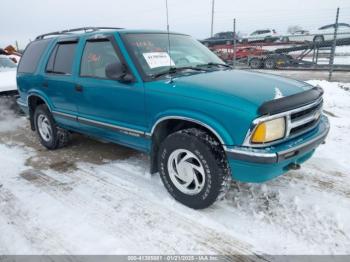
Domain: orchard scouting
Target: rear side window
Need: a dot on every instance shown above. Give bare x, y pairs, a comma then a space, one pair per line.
96, 57
61, 59
30, 59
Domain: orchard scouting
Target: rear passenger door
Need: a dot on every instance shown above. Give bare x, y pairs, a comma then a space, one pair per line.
60, 79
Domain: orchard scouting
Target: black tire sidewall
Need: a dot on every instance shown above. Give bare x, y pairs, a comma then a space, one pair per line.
43, 110
272, 61
212, 186
320, 37
257, 65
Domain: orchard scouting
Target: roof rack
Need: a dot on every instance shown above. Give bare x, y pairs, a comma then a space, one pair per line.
69, 31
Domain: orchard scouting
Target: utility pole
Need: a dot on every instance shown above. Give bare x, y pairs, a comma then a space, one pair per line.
212, 18
331, 60
234, 43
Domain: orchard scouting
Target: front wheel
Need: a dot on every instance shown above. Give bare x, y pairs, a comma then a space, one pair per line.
193, 168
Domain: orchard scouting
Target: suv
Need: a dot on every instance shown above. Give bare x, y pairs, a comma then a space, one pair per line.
265, 35
201, 122
326, 32
222, 38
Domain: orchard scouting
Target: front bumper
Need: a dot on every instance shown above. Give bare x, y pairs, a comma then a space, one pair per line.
258, 165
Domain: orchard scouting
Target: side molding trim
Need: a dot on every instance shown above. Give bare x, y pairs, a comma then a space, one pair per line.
124, 130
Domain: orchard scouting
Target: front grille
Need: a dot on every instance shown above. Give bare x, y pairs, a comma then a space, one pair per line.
298, 115
303, 127
305, 120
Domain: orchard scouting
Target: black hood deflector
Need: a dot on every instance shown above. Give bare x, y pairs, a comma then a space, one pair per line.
290, 102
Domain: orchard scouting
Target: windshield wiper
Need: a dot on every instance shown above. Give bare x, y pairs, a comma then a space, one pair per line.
174, 70
211, 64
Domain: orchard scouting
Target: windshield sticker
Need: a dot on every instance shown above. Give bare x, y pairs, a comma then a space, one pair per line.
158, 59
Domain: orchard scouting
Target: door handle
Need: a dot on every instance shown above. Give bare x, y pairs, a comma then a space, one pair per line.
78, 88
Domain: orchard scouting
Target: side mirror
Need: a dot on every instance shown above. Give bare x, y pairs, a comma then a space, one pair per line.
117, 71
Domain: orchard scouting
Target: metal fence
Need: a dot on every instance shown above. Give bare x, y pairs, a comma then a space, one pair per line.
327, 49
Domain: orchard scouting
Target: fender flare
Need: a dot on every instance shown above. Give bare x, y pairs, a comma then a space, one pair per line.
222, 135
31, 113
42, 97
219, 136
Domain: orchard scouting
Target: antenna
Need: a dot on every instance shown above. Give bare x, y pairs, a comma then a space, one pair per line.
212, 18
168, 33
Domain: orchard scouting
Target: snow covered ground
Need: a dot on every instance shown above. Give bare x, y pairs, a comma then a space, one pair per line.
98, 198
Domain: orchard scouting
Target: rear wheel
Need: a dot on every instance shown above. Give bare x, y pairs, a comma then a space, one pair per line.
318, 39
285, 39
50, 135
268, 39
193, 168
255, 63
270, 63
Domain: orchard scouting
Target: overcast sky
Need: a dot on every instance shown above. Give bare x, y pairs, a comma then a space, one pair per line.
24, 19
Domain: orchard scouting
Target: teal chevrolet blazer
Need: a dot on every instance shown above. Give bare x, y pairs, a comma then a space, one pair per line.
202, 122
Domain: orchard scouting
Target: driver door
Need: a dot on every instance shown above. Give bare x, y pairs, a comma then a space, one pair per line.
108, 108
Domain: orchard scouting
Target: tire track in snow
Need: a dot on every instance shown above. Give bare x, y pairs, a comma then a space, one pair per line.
220, 241
142, 211
11, 209
322, 180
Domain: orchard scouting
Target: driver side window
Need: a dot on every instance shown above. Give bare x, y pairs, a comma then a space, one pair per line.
96, 57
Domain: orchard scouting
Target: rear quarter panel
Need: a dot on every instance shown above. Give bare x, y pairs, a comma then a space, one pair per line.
31, 83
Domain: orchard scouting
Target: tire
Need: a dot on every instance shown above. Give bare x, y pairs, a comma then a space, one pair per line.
285, 39
50, 135
255, 63
200, 158
319, 39
270, 63
268, 40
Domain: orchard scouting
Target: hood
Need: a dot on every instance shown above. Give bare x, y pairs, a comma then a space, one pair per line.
227, 87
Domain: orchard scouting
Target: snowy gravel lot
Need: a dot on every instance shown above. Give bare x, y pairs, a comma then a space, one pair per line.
98, 198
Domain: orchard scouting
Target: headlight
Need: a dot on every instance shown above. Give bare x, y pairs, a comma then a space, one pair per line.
270, 130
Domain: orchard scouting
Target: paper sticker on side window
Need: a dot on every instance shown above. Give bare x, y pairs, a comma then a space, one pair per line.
158, 59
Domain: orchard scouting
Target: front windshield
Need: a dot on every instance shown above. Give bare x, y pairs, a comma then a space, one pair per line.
151, 50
